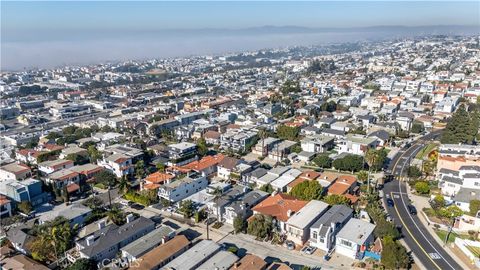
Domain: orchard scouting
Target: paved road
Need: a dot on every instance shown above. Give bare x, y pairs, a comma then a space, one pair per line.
420, 241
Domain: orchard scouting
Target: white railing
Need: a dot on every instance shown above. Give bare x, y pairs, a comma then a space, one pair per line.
463, 245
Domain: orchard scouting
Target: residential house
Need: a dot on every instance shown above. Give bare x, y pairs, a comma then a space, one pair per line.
317, 144
358, 145
119, 164
182, 153
182, 188
75, 213
195, 256
226, 166
304, 176
242, 207
354, 237
250, 262
107, 242
17, 171
298, 225
205, 166
27, 190
5, 207
149, 241
280, 184
279, 206
62, 178
163, 254
156, 179
50, 166
324, 230
222, 260
238, 140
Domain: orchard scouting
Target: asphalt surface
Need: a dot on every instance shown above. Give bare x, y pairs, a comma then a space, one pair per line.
418, 239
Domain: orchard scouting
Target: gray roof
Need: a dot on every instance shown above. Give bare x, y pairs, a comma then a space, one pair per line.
452, 180
258, 172
466, 195
68, 211
230, 196
113, 234
221, 260
447, 171
332, 131
470, 167
253, 197
152, 239
193, 257
472, 175
356, 230
336, 214
307, 214
279, 170
381, 134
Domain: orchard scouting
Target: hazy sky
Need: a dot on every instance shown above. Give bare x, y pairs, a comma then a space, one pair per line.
52, 33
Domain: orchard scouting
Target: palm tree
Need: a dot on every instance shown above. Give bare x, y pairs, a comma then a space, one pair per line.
370, 157
123, 184
115, 215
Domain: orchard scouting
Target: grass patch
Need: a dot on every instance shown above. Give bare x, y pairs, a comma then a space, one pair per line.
427, 149
474, 250
442, 234
100, 186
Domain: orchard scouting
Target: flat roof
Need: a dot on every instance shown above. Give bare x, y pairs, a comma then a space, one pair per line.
356, 230
147, 242
307, 214
221, 260
191, 258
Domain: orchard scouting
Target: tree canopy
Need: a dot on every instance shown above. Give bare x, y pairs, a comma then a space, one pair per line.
336, 199
394, 255
307, 190
288, 133
323, 161
462, 127
260, 226
349, 163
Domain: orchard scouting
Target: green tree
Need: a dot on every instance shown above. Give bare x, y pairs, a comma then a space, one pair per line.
474, 207
260, 226
83, 264
438, 202
140, 169
288, 133
77, 159
461, 128
267, 188
116, 215
65, 195
290, 87
297, 148
452, 211
362, 176
350, 162
93, 202
106, 177
323, 161
202, 147
160, 167
93, 153
376, 158
187, 208
239, 224
394, 255
307, 190
333, 199
123, 185
417, 127
414, 172
25, 207
422, 187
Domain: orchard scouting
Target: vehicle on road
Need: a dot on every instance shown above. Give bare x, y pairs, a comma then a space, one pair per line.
290, 245
390, 202
137, 206
308, 250
411, 209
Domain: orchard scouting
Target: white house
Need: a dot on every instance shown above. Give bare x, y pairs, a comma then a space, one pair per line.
182, 188
298, 225
119, 164
354, 236
325, 229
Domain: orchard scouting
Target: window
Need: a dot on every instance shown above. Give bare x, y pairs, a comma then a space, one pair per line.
314, 235
345, 243
476, 184
322, 239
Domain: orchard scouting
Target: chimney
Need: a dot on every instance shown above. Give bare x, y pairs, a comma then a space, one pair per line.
289, 213
130, 218
90, 239
101, 224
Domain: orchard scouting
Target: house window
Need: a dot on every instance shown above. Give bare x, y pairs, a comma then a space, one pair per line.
346, 243
322, 239
476, 184
314, 235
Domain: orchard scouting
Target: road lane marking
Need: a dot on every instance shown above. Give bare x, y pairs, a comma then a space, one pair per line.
434, 256
408, 230
403, 223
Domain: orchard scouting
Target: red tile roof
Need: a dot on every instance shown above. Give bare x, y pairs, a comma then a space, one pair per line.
279, 206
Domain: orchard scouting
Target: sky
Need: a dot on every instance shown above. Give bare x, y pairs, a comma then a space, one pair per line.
46, 34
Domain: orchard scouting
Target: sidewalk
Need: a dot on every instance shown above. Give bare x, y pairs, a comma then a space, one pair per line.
421, 202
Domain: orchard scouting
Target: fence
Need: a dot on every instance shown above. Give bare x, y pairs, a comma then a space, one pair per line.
464, 245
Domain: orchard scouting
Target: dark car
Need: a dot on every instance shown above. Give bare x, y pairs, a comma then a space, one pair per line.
412, 209
390, 202
137, 206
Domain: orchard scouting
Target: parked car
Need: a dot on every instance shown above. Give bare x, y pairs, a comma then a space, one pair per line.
308, 250
390, 202
412, 209
137, 206
290, 245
